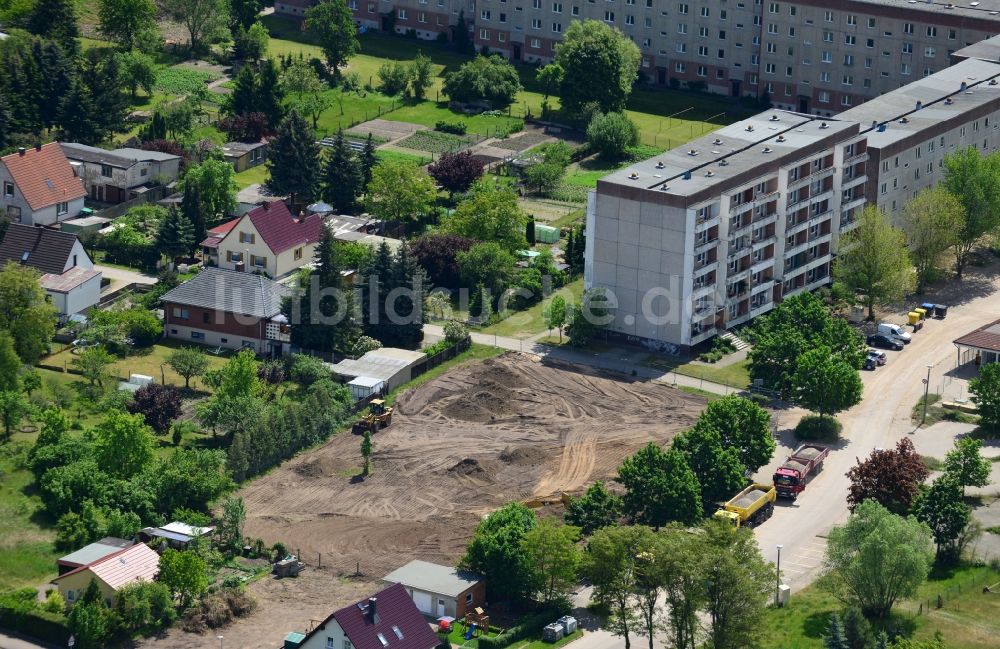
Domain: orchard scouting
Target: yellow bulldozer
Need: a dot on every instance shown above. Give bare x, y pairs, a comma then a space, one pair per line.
378, 416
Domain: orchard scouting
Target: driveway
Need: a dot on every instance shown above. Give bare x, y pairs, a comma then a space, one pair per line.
122, 277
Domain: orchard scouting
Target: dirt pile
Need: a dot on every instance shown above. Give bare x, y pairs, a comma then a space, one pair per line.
523, 455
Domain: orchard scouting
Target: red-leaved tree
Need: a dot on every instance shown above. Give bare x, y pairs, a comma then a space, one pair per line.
890, 477
159, 405
456, 172
249, 127
436, 253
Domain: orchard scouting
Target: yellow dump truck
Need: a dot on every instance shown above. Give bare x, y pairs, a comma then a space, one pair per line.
750, 507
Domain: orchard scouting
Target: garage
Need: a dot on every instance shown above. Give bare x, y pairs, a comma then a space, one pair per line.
424, 602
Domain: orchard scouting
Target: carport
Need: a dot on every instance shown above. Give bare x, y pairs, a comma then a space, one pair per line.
982, 343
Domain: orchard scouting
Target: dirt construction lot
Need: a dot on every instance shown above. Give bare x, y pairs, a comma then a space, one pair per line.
460, 446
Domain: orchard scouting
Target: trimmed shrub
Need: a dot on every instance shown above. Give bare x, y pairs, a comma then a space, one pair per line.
814, 428
23, 616
455, 128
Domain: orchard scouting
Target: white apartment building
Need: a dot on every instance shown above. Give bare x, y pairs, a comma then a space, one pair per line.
714, 233
808, 56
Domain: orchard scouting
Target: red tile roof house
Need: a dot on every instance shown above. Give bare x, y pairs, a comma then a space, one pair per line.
111, 572
273, 240
38, 186
228, 308
68, 274
387, 620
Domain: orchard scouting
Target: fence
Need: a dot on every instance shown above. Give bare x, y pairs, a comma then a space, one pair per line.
950, 597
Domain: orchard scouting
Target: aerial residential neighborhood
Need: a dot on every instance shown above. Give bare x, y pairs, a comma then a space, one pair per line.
431, 324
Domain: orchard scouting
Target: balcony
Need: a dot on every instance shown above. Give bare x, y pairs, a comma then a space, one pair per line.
736, 275
846, 225
763, 242
849, 183
704, 224
701, 334
861, 157
760, 309
740, 208
766, 219
736, 253
702, 310
764, 198
796, 249
705, 246
762, 265
851, 204
821, 216
765, 285
702, 290
816, 175
795, 229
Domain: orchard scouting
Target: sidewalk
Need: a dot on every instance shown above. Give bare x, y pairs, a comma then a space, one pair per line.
615, 359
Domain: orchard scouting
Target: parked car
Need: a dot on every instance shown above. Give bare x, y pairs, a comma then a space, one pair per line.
870, 364
885, 342
890, 329
878, 356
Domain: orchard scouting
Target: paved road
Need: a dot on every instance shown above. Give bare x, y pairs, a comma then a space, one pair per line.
16, 642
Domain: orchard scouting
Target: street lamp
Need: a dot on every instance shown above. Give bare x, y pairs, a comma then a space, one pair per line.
927, 387
220, 640
777, 576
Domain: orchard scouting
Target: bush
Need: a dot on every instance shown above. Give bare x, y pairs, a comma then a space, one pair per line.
611, 135
218, 609
814, 428
438, 347
19, 614
306, 370
485, 78
456, 128
529, 627
759, 399
456, 332
140, 325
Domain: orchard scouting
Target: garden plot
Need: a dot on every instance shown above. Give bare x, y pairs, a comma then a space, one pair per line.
385, 130
436, 142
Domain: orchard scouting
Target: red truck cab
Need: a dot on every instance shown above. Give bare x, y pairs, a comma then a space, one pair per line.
791, 477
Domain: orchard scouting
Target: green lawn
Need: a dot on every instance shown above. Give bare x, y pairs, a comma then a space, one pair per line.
428, 113
390, 154
970, 619
27, 557
253, 175
457, 636
531, 321
736, 375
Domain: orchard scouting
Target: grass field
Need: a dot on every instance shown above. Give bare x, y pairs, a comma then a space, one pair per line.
253, 175
390, 154
531, 321
27, 557
736, 375
970, 619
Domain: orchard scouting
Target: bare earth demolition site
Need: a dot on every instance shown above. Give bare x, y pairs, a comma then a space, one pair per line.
463, 444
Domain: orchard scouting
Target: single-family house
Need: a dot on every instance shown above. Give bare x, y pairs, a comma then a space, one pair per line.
120, 175
268, 239
38, 186
111, 572
386, 620
176, 534
88, 554
440, 590
244, 155
68, 273
228, 308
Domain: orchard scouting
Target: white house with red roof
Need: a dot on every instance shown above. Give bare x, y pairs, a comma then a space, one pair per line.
387, 620
38, 186
269, 239
111, 572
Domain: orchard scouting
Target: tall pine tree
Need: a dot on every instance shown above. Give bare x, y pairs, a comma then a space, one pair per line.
243, 98
176, 235
377, 284
270, 93
77, 110
341, 177
334, 327
368, 161
192, 210
408, 330
294, 160
55, 20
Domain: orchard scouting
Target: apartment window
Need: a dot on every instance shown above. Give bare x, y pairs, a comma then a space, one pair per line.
629, 20
871, 23
722, 54
206, 317
824, 77
536, 23
904, 68
928, 72
882, 189
576, 11
929, 53
754, 59
422, 18
557, 7
703, 32
248, 237
536, 4
827, 37
609, 16
772, 28
791, 32
8, 190
826, 57
106, 171
682, 8
771, 48
679, 67
852, 19
682, 28
702, 71
867, 83
931, 31
788, 71
769, 68
824, 97
828, 16
62, 208
951, 34
868, 63
850, 39
485, 14
704, 12
647, 22
845, 100
181, 314
535, 44
401, 14
773, 8
681, 48
557, 28
791, 11
870, 43
720, 73
907, 48
848, 59
702, 50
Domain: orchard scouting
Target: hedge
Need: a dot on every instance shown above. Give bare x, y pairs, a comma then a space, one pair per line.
25, 618
530, 627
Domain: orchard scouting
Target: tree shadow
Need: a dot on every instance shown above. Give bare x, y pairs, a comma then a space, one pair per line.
816, 624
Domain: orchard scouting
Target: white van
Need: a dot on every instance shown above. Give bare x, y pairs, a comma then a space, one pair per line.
890, 329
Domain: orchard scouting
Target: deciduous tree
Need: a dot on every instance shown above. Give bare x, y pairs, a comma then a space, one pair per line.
213, 191
437, 253
309, 93
595, 509
456, 172
874, 261
205, 20
159, 406
610, 564
985, 391
933, 221
890, 477
877, 558
555, 315
744, 426
10, 364
93, 364
129, 23
599, 65
399, 191
366, 453
966, 464
485, 78
488, 264
612, 134
333, 25
975, 180
553, 556
660, 487
496, 552
189, 362
184, 573
25, 312
943, 510
234, 515
421, 75
491, 214
717, 467
13, 407
824, 383
123, 444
